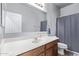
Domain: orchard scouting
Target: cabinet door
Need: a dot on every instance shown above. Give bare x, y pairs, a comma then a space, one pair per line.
49, 52
67, 30
60, 29
55, 50
75, 32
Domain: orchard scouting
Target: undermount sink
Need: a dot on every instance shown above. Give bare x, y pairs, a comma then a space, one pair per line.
39, 39
36, 41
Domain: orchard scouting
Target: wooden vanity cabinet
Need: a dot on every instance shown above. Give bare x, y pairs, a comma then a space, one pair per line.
34, 52
49, 49
52, 49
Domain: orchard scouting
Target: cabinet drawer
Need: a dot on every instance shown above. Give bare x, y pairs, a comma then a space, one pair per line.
34, 52
51, 44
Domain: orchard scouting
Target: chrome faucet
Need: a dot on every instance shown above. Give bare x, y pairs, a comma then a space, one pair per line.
36, 39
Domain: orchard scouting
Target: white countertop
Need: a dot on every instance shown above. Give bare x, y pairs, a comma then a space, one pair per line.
15, 47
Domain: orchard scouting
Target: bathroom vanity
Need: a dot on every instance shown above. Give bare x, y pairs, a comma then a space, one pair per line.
45, 46
49, 49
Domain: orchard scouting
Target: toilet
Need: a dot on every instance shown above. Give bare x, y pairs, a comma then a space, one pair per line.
61, 48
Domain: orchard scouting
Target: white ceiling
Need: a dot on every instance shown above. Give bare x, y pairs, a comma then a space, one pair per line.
61, 5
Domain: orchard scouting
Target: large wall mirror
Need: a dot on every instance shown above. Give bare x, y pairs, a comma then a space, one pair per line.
22, 18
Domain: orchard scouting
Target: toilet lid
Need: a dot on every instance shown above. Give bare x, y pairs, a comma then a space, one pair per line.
62, 45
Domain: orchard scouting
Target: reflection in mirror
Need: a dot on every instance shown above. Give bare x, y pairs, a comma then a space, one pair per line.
13, 22
22, 18
43, 25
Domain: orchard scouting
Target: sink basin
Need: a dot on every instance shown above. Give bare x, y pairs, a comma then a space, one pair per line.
36, 41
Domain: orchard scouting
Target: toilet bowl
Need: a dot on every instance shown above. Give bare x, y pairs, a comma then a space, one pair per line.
61, 48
